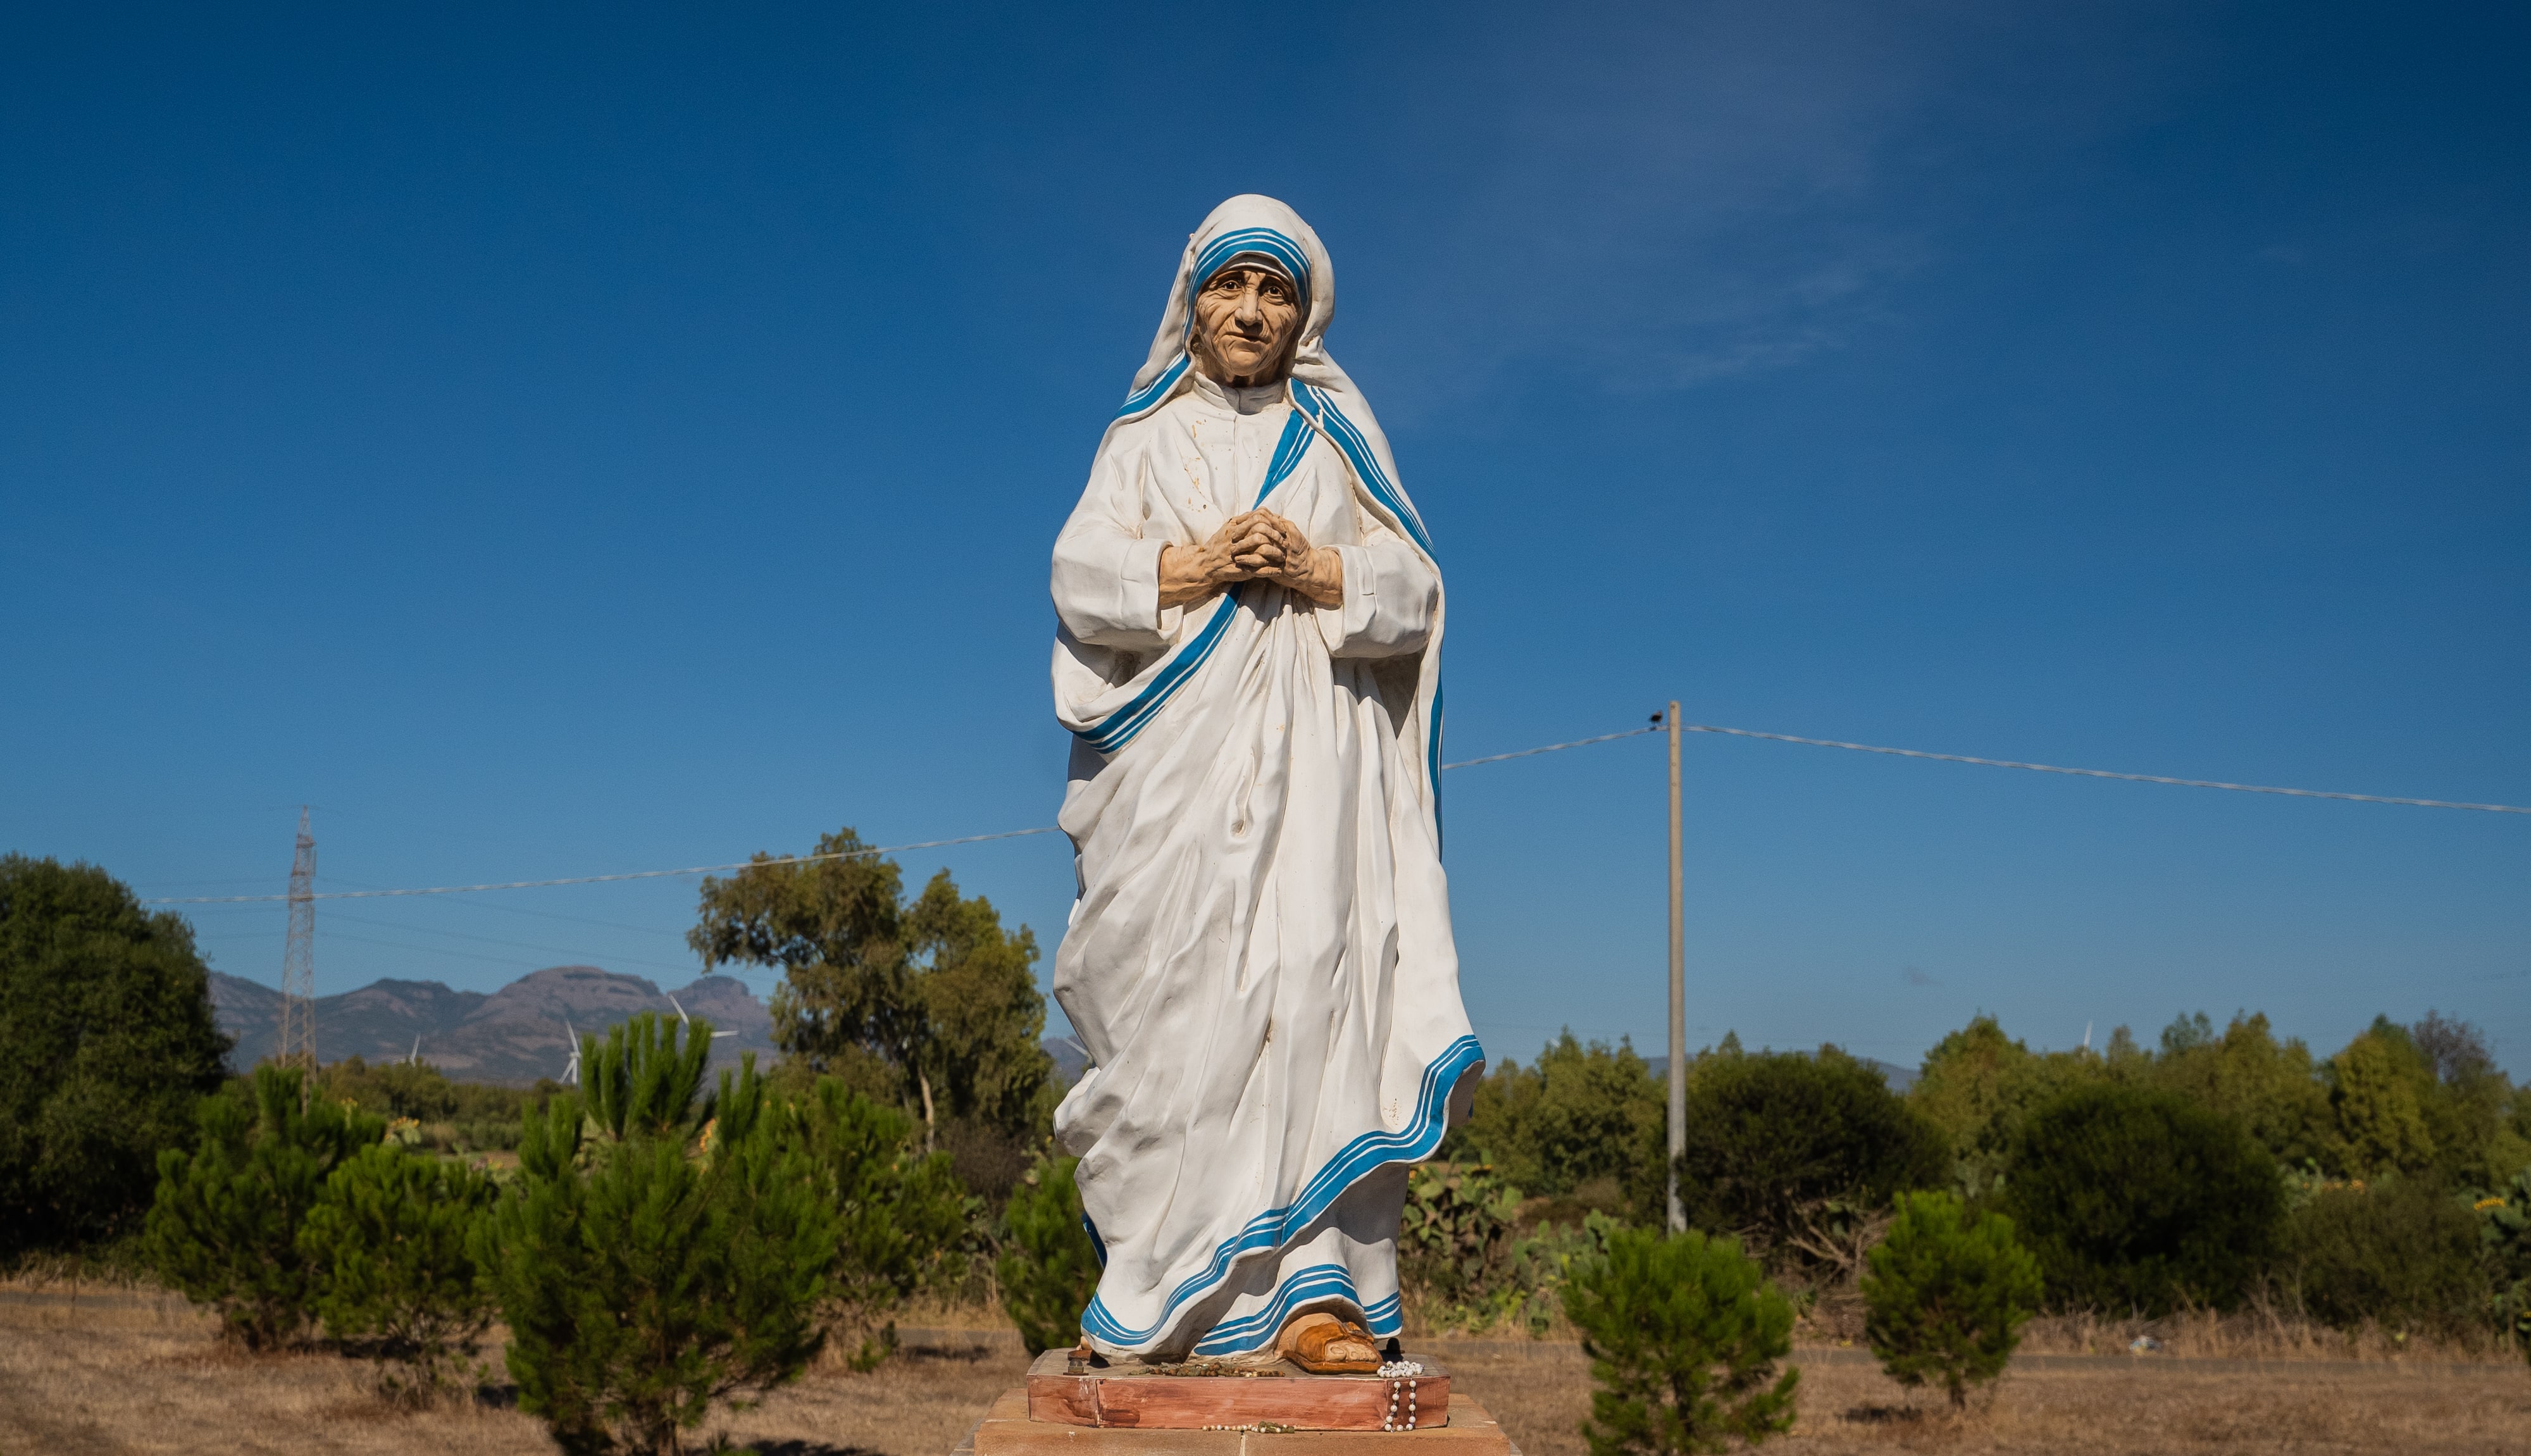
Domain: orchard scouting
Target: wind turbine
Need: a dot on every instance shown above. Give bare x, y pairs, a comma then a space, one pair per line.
2087, 1035
571, 1069
412, 1058
680, 1019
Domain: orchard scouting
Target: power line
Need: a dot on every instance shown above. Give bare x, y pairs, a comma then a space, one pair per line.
1553, 747
2133, 778
592, 879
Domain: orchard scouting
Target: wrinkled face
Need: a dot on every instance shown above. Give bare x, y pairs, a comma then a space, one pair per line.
1246, 321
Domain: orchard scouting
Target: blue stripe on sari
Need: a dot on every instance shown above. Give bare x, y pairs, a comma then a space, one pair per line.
1118, 728
1145, 396
1319, 1281
1348, 438
1271, 1228
1289, 447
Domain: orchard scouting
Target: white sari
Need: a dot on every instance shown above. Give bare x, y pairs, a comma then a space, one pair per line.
1260, 961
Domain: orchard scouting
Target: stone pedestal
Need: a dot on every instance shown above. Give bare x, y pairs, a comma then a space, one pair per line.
1060, 1411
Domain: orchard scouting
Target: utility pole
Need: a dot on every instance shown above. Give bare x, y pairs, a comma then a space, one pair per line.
299, 958
1678, 982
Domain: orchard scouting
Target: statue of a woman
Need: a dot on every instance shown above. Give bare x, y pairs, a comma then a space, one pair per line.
1260, 961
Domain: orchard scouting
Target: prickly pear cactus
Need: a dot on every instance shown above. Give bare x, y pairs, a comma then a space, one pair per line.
2504, 1240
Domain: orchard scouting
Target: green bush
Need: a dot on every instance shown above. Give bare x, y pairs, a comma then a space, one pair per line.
106, 1042
1780, 1145
400, 1282
663, 1253
1946, 1294
2504, 1250
225, 1227
1048, 1268
456, 1115
2401, 1253
1455, 1239
1582, 1123
1463, 1256
2137, 1199
902, 1211
1684, 1334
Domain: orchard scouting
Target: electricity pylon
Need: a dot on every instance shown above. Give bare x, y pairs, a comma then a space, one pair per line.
299, 958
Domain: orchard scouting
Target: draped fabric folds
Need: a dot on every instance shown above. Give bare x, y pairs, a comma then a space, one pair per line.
1260, 961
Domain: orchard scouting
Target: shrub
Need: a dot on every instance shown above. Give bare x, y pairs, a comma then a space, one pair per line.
2504, 1249
2137, 1199
671, 1253
106, 1042
1777, 1142
1583, 1122
1948, 1293
2401, 1253
225, 1227
1684, 1333
400, 1283
901, 1210
1455, 1239
1048, 1268
1463, 1255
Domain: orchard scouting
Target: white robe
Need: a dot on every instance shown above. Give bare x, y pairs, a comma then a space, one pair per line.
1259, 963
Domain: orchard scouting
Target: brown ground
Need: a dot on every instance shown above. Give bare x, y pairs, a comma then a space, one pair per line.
139, 1372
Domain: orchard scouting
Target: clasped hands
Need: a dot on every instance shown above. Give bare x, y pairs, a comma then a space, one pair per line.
1256, 546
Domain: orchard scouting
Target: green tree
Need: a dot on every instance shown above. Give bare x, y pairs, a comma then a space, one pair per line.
1946, 1294
2378, 1098
2136, 1199
1584, 1122
902, 1211
1979, 1086
936, 990
2471, 1109
1684, 1334
1048, 1268
224, 1229
1785, 1148
660, 1251
2273, 1089
400, 1283
2401, 1253
106, 1042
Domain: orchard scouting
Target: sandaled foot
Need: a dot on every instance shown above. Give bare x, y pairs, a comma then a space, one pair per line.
1325, 1345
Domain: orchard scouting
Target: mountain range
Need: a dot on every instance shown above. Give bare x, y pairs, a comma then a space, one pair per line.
510, 1036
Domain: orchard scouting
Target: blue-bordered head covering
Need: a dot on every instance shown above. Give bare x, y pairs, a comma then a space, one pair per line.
1252, 226
1259, 226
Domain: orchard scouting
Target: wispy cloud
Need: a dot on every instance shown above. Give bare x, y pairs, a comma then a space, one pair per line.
1700, 193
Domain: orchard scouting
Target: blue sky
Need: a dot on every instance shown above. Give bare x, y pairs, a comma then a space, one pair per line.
569, 440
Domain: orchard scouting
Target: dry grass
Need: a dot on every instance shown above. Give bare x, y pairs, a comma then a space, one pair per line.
2122, 1407
142, 1373
136, 1371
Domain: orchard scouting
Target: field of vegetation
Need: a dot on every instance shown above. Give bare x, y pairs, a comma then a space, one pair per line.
2218, 1242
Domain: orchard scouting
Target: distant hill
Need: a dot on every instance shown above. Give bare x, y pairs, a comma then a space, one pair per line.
511, 1037
1070, 1061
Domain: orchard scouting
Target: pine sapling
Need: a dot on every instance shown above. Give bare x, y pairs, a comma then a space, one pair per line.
224, 1229
401, 1286
1050, 1267
668, 1262
1946, 1294
1684, 1333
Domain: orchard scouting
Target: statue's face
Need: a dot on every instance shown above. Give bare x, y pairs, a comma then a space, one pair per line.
1245, 323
